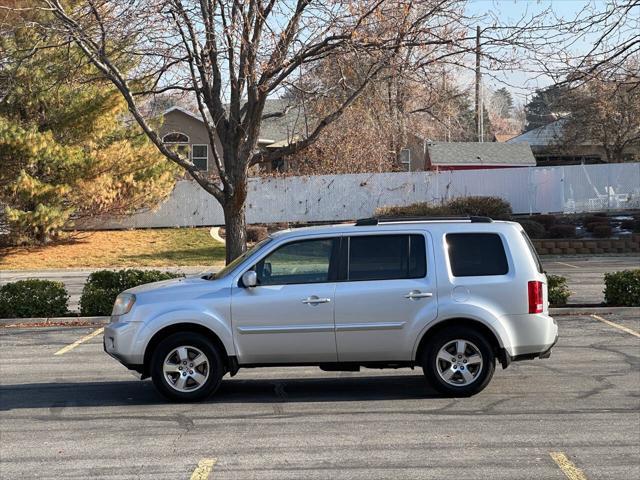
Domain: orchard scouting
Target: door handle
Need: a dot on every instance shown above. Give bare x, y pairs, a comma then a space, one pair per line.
416, 294
313, 300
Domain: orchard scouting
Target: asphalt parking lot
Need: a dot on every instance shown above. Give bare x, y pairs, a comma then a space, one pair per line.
80, 414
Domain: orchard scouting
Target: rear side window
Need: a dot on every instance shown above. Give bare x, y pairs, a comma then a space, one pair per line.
386, 257
476, 254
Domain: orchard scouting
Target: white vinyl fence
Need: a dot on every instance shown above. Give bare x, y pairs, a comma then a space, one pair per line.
580, 188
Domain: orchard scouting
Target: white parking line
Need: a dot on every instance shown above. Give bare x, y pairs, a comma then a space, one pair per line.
615, 325
78, 342
567, 265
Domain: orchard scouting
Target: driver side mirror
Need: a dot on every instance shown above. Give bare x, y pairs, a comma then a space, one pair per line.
250, 279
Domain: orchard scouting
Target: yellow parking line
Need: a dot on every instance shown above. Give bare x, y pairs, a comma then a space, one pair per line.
78, 342
203, 470
615, 325
568, 468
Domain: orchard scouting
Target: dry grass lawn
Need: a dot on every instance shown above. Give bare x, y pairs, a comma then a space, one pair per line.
131, 248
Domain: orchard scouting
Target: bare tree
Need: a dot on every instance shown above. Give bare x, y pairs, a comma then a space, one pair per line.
232, 55
597, 42
606, 112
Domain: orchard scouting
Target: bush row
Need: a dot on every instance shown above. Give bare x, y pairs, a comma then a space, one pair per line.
558, 290
33, 298
622, 288
258, 232
103, 287
493, 207
46, 298
599, 225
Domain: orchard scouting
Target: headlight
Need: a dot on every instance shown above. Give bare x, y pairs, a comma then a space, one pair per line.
123, 304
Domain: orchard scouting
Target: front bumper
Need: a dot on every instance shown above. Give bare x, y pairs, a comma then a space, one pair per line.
119, 342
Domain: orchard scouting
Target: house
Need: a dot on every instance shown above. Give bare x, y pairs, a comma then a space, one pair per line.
475, 155
186, 132
548, 147
282, 124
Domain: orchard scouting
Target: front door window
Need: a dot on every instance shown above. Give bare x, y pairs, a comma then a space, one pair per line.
306, 261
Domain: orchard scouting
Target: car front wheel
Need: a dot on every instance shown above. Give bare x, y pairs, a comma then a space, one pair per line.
459, 362
186, 367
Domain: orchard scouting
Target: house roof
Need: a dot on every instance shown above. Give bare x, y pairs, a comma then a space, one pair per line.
549, 134
287, 123
291, 123
480, 154
176, 108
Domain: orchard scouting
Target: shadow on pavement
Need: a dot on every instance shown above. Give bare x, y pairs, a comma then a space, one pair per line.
99, 394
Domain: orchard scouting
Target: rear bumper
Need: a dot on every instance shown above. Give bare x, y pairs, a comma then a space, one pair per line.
542, 352
545, 352
529, 333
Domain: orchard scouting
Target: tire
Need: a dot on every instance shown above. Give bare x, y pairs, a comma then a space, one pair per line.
459, 374
190, 382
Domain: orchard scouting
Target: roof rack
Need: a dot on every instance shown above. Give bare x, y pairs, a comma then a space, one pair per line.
377, 220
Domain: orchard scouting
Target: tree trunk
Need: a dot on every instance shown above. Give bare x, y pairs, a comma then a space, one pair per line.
235, 229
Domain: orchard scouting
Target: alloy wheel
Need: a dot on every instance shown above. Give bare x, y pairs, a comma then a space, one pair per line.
186, 368
459, 362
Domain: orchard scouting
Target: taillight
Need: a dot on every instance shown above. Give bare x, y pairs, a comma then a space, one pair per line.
535, 297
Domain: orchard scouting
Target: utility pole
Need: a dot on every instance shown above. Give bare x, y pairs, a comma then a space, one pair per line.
478, 112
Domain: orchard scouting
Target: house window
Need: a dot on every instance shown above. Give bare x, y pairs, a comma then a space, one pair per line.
405, 158
199, 156
178, 143
175, 137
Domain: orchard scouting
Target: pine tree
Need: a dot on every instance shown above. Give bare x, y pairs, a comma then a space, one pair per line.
65, 150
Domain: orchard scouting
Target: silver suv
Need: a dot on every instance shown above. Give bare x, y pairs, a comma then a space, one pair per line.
453, 296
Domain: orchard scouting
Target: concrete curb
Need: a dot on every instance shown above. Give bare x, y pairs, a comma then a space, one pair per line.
591, 310
54, 321
215, 234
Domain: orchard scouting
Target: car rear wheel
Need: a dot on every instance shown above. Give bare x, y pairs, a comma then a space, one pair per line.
186, 367
459, 361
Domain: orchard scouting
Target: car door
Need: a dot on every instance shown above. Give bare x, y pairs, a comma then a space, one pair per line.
288, 316
385, 298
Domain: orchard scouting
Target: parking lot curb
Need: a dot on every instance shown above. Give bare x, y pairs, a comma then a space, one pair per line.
592, 310
53, 321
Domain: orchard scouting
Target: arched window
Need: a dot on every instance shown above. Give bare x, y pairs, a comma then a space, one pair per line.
178, 142
175, 137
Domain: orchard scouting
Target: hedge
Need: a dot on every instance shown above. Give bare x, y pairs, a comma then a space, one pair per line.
562, 231
103, 287
256, 233
622, 288
558, 291
534, 229
33, 298
493, 207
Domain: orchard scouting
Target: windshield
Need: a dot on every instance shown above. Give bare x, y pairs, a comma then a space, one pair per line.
231, 267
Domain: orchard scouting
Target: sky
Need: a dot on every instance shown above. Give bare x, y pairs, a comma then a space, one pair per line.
522, 84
